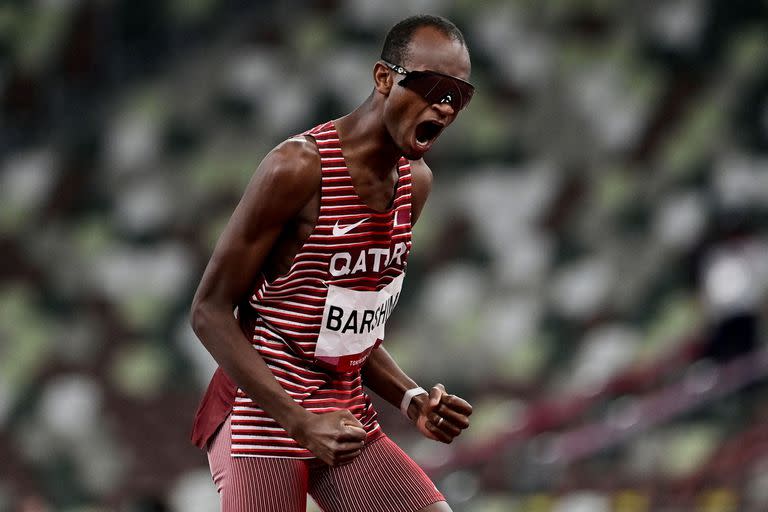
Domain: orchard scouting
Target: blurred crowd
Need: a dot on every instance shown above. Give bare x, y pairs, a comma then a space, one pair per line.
591, 270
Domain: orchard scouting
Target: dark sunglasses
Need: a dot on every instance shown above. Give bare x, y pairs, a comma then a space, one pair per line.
435, 87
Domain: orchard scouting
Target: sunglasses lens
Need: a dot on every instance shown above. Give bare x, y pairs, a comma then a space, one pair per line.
438, 88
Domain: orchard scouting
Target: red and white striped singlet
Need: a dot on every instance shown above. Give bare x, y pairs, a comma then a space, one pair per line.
315, 325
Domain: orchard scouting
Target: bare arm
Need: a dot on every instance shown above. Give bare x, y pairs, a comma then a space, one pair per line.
385, 377
284, 183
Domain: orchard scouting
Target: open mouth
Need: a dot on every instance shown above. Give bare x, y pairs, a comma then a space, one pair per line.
427, 131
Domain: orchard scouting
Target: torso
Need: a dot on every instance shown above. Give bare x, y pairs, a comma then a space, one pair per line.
311, 383
317, 322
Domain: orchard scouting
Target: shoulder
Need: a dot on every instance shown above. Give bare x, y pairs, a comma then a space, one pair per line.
421, 173
287, 178
421, 178
293, 164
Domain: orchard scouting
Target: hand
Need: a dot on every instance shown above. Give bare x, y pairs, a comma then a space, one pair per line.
334, 437
441, 416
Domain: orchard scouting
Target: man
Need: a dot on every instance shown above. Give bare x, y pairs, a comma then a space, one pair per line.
318, 245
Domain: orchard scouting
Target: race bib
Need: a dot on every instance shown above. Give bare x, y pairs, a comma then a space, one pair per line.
353, 324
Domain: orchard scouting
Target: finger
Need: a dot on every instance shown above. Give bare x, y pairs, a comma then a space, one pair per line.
347, 447
422, 422
351, 427
457, 404
347, 418
439, 434
352, 433
441, 423
346, 458
457, 419
435, 394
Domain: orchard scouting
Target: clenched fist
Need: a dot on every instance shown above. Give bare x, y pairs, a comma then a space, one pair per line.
441, 416
334, 437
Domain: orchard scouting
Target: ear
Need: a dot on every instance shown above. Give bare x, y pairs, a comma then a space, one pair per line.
382, 79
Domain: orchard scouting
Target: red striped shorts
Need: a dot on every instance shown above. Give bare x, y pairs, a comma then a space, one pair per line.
381, 479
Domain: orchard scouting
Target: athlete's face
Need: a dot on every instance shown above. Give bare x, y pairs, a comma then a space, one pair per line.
413, 122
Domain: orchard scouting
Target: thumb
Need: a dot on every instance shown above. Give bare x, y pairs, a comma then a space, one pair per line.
348, 419
436, 394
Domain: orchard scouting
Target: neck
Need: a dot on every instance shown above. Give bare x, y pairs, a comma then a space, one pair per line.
367, 143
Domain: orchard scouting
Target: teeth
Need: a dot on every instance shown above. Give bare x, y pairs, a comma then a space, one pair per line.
426, 132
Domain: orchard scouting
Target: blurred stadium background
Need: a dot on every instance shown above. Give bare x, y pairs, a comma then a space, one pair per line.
591, 270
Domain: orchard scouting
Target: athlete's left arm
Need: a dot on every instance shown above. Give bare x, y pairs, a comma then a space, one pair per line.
383, 375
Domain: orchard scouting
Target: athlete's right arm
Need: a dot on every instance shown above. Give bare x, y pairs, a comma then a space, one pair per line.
286, 180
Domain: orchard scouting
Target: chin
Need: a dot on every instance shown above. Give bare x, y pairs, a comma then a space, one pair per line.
416, 153
408, 152
411, 152
410, 155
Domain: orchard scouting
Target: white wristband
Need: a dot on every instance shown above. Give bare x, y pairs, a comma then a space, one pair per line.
408, 396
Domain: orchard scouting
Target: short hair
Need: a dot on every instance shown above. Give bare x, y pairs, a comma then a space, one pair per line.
395, 49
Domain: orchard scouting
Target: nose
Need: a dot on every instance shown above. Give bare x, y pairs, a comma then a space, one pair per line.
446, 109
